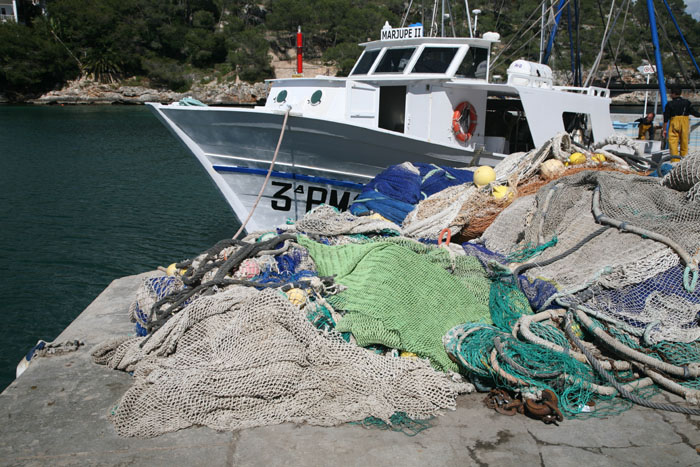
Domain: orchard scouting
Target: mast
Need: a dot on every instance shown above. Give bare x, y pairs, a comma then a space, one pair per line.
442, 18
542, 34
678, 28
553, 34
657, 53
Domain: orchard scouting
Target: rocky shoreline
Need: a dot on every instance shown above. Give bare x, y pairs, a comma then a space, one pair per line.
84, 91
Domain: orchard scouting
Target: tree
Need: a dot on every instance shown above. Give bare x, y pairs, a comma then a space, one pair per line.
31, 61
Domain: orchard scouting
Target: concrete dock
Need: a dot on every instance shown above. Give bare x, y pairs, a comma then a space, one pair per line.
56, 414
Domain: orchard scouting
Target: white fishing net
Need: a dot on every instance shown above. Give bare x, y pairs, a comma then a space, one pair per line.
685, 176
328, 221
245, 358
438, 212
630, 278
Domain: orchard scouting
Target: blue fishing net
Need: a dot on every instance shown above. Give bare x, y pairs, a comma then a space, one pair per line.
395, 191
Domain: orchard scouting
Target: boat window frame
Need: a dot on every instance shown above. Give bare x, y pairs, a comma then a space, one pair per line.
371, 67
457, 48
407, 68
488, 64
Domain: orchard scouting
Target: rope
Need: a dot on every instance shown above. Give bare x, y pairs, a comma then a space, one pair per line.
267, 177
619, 43
606, 37
524, 328
179, 299
517, 367
519, 34
523, 267
686, 371
620, 388
603, 219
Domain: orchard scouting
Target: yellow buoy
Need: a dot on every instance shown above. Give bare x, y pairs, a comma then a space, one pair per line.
598, 157
577, 158
296, 296
500, 192
171, 270
484, 175
409, 355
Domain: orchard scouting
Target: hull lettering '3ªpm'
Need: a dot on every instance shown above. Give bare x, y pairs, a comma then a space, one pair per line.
287, 195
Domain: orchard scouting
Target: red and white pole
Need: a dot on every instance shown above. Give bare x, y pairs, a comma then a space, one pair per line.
300, 48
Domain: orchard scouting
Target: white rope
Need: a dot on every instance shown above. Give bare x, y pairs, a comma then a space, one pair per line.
606, 36
267, 177
549, 11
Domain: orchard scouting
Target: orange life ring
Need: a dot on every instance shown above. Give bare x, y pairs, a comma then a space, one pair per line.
462, 109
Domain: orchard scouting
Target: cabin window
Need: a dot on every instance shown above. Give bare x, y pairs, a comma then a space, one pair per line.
365, 63
474, 64
579, 127
395, 60
392, 108
435, 60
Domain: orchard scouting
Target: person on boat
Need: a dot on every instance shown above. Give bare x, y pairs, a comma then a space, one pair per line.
676, 113
646, 126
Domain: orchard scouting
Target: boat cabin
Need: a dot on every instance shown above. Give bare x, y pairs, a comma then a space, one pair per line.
437, 89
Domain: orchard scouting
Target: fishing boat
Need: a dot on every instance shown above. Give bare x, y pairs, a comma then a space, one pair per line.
409, 97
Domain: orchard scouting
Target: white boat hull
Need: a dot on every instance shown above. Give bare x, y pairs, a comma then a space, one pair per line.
319, 161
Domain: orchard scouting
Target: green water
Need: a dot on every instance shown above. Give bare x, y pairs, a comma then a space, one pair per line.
87, 195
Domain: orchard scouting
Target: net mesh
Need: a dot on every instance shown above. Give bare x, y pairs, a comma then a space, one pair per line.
410, 310
685, 176
630, 279
245, 358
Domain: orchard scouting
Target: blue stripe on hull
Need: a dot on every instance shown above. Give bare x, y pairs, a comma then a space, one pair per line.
292, 176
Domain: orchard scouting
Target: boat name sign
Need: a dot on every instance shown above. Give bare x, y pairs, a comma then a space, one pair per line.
393, 34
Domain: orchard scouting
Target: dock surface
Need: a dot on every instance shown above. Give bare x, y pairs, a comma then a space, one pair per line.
56, 414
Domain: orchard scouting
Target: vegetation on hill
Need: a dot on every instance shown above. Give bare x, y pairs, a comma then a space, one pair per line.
170, 43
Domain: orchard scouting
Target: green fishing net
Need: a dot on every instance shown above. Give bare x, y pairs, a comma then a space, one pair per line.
402, 294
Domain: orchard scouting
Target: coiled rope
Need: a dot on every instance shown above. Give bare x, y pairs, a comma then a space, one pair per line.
610, 379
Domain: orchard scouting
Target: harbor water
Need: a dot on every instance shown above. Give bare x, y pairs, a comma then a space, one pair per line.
90, 194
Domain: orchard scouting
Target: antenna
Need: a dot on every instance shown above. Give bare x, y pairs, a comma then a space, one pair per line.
469, 18
476, 12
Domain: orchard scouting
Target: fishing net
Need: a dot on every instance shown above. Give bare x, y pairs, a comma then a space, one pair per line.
271, 329
438, 212
328, 221
244, 358
395, 191
631, 279
151, 291
500, 355
472, 210
402, 294
685, 176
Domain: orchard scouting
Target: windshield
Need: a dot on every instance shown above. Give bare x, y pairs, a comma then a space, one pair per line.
474, 63
435, 60
395, 60
365, 63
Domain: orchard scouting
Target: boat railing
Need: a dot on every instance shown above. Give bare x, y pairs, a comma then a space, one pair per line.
591, 90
